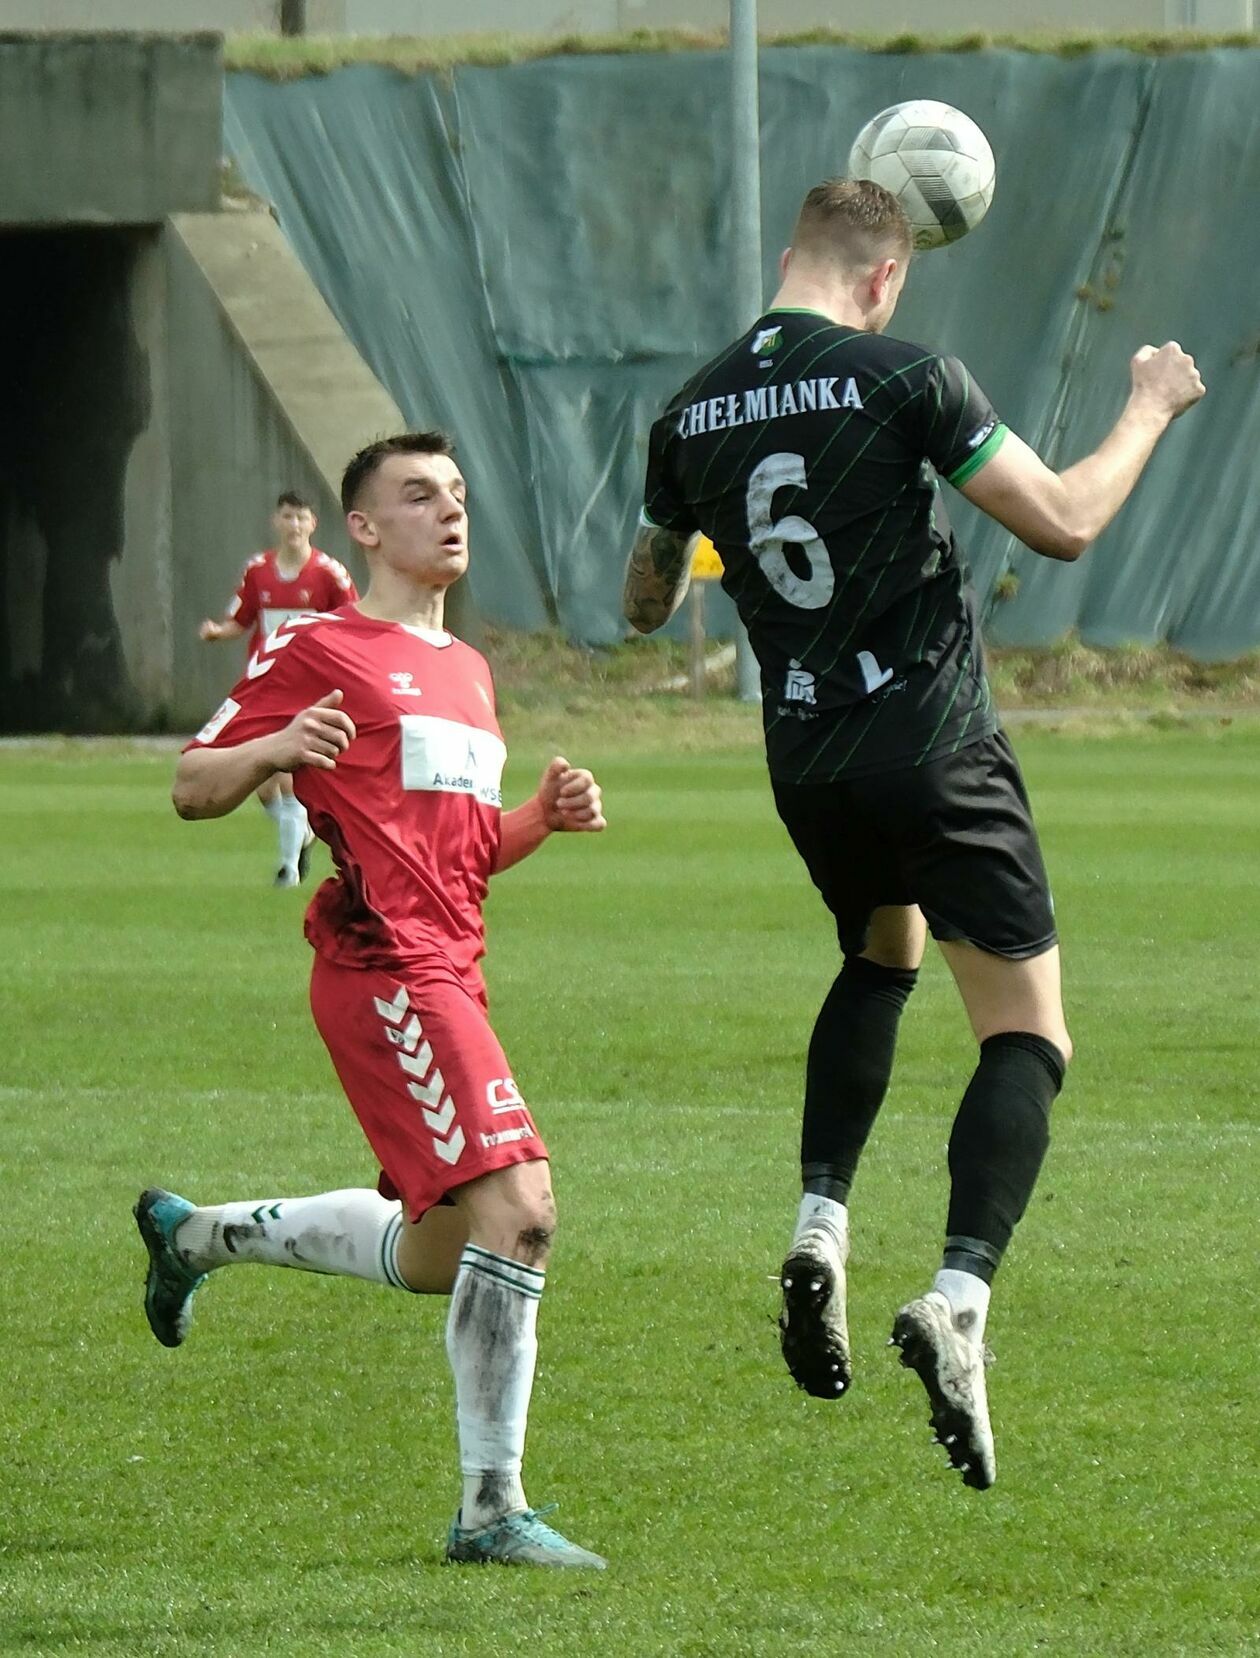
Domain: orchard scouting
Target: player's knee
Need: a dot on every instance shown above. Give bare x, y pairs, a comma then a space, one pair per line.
862, 977
535, 1222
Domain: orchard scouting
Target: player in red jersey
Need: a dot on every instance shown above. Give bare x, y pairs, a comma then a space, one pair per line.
387, 724
286, 580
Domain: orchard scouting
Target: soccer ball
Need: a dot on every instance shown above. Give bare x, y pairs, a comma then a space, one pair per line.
937, 163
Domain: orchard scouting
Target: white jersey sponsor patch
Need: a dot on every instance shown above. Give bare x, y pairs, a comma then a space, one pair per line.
211, 729
272, 619
451, 758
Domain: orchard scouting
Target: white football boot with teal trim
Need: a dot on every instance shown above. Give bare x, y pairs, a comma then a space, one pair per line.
522, 1539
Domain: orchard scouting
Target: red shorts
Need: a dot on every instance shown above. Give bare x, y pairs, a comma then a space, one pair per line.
426, 1077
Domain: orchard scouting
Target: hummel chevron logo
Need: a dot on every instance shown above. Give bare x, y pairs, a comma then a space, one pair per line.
271, 1210
452, 1150
417, 1065
415, 1058
393, 1011
273, 642
406, 1039
428, 1093
440, 1121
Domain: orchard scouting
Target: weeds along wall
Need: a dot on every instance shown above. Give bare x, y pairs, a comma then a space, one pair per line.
535, 256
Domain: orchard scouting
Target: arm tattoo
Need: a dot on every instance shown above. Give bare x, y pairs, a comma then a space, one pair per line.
658, 575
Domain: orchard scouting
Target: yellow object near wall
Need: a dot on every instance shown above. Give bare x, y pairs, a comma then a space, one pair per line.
706, 561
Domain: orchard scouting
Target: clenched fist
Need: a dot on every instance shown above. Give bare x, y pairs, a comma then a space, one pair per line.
570, 798
1166, 378
315, 737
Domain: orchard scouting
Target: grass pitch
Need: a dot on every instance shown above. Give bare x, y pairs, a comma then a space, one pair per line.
281, 1485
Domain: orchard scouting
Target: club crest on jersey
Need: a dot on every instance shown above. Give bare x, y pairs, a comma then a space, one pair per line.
767, 341
403, 686
798, 686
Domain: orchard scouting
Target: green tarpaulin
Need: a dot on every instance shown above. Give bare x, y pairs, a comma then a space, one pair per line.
536, 256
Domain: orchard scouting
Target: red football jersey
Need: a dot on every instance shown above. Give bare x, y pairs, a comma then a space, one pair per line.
265, 597
411, 812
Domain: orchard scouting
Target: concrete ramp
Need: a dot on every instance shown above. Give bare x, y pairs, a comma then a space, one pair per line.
314, 376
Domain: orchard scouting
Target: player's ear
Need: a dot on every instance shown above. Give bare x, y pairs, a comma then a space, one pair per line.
362, 529
785, 259
883, 279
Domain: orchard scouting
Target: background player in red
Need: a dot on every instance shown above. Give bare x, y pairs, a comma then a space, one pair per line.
387, 723
286, 580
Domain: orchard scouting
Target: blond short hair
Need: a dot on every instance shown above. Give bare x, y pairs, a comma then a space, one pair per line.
852, 222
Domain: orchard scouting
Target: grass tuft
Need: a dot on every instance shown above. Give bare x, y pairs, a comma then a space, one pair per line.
280, 58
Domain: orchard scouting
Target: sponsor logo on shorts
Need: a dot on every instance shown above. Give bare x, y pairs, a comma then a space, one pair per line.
415, 1056
507, 1136
798, 686
502, 1095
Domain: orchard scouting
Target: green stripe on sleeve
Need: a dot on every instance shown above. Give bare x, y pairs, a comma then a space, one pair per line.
958, 477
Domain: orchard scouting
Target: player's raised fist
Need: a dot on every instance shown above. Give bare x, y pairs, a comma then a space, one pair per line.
208, 630
571, 798
316, 736
1167, 378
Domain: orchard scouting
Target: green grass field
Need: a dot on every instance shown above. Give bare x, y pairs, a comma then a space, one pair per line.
282, 1484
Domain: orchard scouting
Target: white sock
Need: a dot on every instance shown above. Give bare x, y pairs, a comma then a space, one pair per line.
352, 1233
823, 1214
293, 825
492, 1343
968, 1296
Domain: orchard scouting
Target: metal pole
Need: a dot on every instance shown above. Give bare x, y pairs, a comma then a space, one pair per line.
695, 599
746, 290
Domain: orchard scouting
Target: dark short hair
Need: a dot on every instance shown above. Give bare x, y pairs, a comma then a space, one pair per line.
853, 221
368, 460
290, 498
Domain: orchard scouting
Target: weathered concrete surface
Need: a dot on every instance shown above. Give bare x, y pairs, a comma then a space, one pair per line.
266, 394
108, 129
246, 333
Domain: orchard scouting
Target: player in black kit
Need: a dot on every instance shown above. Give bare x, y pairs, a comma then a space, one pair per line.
810, 452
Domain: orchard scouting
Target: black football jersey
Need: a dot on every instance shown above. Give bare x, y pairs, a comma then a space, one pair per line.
810, 455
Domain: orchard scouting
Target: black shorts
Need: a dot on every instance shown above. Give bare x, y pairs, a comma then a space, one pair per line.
954, 836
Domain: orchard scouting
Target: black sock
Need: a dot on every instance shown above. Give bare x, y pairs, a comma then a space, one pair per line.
846, 1076
996, 1149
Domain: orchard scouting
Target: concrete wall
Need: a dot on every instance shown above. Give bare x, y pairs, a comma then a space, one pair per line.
266, 394
108, 130
547, 17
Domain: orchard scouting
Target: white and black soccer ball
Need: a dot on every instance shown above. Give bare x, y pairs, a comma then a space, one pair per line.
937, 163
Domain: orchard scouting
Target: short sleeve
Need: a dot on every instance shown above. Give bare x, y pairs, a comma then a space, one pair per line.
961, 429
283, 676
244, 606
664, 507
338, 584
